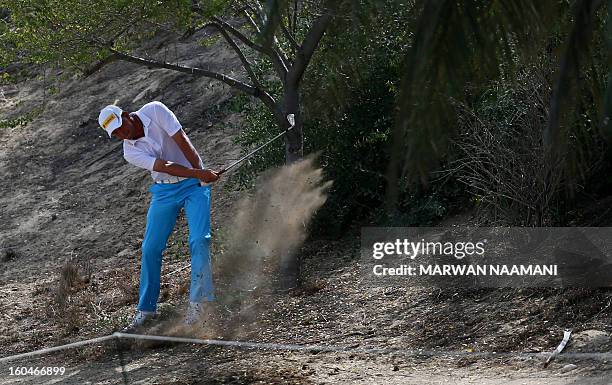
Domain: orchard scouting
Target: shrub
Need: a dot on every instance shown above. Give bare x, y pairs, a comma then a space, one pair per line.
502, 160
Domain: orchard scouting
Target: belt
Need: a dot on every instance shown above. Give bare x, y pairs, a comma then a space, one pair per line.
172, 179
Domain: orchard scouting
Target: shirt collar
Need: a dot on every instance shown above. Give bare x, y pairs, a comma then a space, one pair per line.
146, 121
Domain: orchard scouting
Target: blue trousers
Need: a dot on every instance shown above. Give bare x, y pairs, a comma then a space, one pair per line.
166, 202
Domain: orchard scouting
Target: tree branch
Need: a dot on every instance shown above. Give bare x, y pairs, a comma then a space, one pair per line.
265, 97
279, 61
239, 35
252, 22
93, 69
295, 12
289, 36
246, 88
306, 50
257, 10
276, 49
245, 63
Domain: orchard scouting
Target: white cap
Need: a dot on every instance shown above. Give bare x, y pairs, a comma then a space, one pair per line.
110, 118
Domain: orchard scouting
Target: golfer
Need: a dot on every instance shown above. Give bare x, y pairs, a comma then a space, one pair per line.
153, 139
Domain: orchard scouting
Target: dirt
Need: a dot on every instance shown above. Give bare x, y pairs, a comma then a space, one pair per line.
72, 222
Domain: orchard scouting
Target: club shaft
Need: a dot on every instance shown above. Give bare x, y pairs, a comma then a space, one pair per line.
250, 154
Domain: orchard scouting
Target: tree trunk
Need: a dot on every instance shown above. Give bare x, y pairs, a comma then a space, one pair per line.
294, 140
294, 151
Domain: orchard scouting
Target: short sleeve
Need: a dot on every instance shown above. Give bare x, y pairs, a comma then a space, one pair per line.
166, 119
140, 159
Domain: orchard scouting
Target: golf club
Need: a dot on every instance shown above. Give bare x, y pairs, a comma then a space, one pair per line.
290, 119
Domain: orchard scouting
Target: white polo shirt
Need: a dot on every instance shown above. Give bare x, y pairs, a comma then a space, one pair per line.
159, 125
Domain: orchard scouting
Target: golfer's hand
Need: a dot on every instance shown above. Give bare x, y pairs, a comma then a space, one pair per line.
208, 176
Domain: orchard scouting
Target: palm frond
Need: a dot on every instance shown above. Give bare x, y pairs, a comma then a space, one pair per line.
458, 46
572, 62
606, 121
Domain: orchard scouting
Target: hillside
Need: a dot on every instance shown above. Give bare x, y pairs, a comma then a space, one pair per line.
67, 192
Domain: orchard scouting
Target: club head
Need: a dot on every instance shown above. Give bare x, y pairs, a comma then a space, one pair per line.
291, 119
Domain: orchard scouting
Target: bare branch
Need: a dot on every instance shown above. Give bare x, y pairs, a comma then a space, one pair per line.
279, 61
256, 8
289, 36
306, 50
229, 28
239, 35
252, 22
273, 45
245, 62
246, 88
295, 12
259, 93
93, 69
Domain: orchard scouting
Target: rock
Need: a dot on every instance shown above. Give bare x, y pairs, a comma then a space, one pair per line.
568, 367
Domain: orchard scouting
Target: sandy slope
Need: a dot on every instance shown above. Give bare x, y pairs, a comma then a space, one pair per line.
66, 191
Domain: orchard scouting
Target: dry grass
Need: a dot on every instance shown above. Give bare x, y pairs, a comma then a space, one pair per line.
69, 277
68, 307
